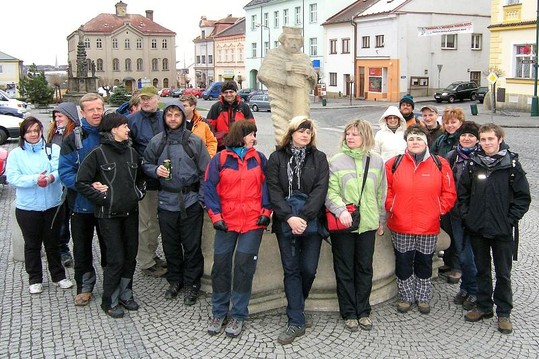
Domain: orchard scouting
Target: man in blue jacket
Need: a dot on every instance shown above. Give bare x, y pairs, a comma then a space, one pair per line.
74, 148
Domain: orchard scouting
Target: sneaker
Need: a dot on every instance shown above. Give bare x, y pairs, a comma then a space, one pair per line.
424, 307
477, 314
67, 259
190, 297
216, 326
403, 306
454, 277
129, 304
308, 320
115, 312
234, 327
35, 288
365, 323
64, 284
155, 271
470, 302
351, 325
504, 325
173, 290
461, 297
444, 268
161, 263
291, 333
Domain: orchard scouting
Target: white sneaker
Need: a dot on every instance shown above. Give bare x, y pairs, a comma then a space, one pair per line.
35, 288
64, 284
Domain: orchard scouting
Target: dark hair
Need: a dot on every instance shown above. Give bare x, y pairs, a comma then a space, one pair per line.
25, 125
295, 124
229, 85
112, 120
237, 132
415, 128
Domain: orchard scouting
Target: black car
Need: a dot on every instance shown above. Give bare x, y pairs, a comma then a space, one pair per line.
481, 93
244, 94
460, 90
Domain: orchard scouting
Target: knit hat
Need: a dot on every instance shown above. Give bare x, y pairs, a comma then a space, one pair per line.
148, 91
112, 120
470, 127
229, 85
409, 99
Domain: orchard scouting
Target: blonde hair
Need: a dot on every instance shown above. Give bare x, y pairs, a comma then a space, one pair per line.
364, 128
296, 123
90, 96
453, 112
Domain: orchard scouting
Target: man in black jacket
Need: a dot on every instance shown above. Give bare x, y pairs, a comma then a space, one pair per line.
494, 195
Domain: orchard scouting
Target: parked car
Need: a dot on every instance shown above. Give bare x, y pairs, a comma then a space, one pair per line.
193, 91
260, 102
244, 94
3, 160
6, 101
10, 111
164, 92
459, 90
481, 93
9, 127
213, 91
176, 93
256, 92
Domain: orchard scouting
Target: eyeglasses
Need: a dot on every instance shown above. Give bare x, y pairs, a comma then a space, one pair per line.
229, 92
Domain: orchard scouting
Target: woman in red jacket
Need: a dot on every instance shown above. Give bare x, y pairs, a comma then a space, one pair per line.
420, 189
236, 196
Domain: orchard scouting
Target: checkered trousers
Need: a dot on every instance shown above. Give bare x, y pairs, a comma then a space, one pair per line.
404, 242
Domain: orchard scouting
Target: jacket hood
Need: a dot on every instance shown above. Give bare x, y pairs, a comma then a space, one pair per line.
70, 110
392, 111
182, 109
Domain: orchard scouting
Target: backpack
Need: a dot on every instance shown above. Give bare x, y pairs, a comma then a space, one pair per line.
399, 159
185, 144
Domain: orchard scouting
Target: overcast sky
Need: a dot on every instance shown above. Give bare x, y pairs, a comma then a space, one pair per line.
35, 31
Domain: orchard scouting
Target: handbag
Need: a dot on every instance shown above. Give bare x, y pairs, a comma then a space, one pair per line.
334, 224
297, 201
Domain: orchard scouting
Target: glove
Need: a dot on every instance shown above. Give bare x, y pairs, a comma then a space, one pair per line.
220, 226
263, 221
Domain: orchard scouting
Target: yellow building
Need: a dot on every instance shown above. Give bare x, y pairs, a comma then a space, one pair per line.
229, 46
10, 74
512, 51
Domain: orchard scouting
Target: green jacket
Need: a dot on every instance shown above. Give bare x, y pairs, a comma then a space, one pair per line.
345, 179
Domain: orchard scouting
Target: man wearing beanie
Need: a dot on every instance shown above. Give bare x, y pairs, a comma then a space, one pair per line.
228, 109
406, 107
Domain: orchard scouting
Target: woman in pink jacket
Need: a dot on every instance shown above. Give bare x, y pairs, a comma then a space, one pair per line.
420, 189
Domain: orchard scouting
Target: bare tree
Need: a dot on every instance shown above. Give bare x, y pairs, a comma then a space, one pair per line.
57, 80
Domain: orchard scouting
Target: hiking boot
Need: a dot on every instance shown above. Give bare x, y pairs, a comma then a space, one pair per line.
470, 302
424, 307
444, 269
190, 297
67, 260
35, 288
504, 325
129, 304
173, 290
308, 320
155, 271
477, 314
403, 306
216, 326
461, 296
234, 327
115, 312
291, 333
454, 277
161, 263
64, 284
351, 325
365, 323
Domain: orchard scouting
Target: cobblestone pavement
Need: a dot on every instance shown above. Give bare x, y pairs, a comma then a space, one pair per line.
50, 326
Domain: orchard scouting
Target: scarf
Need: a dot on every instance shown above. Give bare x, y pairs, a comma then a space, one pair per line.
464, 154
492, 161
294, 166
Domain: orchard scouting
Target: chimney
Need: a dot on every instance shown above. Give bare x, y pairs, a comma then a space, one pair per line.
149, 14
121, 9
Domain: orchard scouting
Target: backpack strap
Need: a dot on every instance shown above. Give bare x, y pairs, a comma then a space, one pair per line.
48, 150
396, 163
436, 160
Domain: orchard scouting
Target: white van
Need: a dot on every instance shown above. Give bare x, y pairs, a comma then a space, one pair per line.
6, 101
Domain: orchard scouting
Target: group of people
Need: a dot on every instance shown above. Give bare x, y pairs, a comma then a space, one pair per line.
155, 172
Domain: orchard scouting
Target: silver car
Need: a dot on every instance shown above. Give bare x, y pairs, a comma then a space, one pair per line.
259, 102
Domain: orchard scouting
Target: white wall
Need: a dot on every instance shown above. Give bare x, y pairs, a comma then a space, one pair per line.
338, 63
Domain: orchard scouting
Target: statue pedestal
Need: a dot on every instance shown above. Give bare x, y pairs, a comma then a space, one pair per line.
17, 241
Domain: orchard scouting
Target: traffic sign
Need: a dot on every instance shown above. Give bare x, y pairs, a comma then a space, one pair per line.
492, 77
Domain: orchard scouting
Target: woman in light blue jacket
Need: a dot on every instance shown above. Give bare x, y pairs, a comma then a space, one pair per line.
32, 168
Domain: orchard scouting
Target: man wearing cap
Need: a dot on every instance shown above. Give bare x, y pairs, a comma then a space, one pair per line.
144, 125
430, 120
228, 109
406, 107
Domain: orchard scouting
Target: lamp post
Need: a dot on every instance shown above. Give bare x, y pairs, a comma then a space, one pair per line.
269, 36
351, 88
535, 104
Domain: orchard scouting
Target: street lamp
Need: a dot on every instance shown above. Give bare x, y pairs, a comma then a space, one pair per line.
351, 88
269, 36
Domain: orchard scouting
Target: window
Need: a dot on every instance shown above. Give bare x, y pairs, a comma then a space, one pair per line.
449, 41
285, 17
232, 52
512, 2
198, 59
127, 44
115, 65
265, 22
524, 54
333, 46
154, 44
332, 79
313, 47
297, 15
253, 22
86, 43
99, 65
155, 65
253, 49
210, 59
164, 44
477, 41
165, 82
99, 44
203, 58
139, 44
345, 46
227, 58
276, 19
275, 44
379, 40
375, 79
366, 42
313, 16
140, 64
127, 64
240, 54
266, 47
165, 64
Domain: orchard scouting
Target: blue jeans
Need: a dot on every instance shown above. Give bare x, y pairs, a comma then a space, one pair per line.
245, 246
463, 249
299, 256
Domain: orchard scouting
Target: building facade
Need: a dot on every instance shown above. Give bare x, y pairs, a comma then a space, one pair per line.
11, 72
229, 53
127, 49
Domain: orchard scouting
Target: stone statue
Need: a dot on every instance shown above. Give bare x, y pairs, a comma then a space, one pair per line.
93, 68
69, 70
289, 76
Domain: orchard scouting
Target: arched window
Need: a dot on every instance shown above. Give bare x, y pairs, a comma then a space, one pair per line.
99, 65
127, 64
140, 65
155, 65
115, 65
165, 65
155, 82
165, 82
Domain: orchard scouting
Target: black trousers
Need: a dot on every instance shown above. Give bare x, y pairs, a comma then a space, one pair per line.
38, 229
352, 262
182, 245
451, 257
502, 255
121, 240
82, 232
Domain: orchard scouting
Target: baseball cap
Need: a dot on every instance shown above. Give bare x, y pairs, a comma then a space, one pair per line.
148, 91
430, 107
